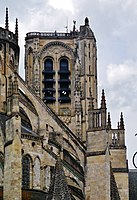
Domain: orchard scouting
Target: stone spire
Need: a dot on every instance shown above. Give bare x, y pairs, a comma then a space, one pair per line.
16, 29
121, 121
103, 101
109, 121
7, 20
59, 189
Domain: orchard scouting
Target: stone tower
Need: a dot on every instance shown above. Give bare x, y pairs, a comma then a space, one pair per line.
62, 69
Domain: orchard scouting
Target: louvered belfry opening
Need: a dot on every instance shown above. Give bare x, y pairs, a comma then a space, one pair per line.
48, 81
64, 81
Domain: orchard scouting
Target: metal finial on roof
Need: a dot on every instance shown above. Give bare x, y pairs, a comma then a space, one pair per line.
7, 20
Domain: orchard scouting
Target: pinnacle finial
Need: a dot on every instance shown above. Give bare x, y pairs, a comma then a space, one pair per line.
109, 121
118, 125
103, 101
86, 21
121, 121
16, 29
7, 20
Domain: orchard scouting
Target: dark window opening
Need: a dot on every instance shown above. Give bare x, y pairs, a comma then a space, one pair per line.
48, 76
64, 64
26, 172
48, 81
48, 65
64, 82
64, 85
64, 76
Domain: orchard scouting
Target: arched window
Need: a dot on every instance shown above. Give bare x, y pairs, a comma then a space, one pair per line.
48, 81
36, 177
48, 65
26, 172
64, 65
64, 81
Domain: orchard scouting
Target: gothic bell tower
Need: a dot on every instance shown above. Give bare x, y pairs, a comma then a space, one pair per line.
61, 68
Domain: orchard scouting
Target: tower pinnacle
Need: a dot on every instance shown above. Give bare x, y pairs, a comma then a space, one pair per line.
109, 121
7, 20
16, 29
121, 121
103, 101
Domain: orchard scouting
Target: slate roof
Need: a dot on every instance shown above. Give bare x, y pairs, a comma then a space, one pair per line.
59, 188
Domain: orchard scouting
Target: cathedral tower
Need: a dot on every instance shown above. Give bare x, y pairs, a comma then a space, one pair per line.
61, 68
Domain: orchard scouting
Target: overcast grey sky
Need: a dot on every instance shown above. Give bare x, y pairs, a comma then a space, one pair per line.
114, 23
